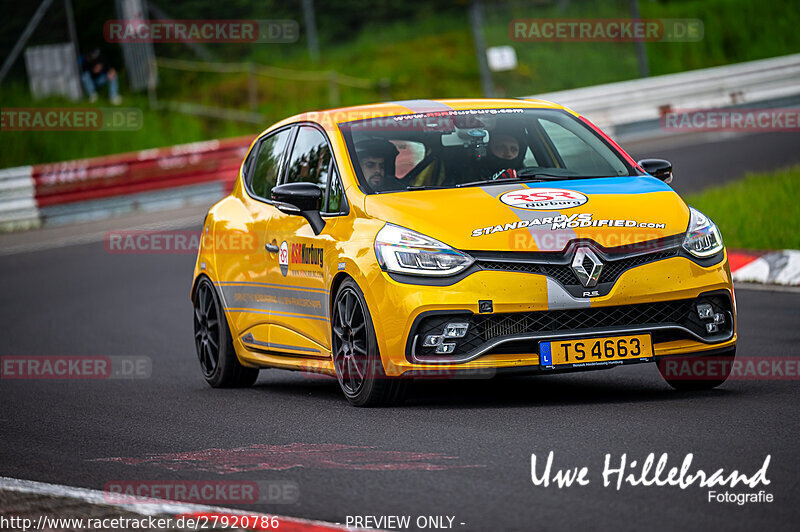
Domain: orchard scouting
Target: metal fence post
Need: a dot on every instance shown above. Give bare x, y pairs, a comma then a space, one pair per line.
252, 88
333, 88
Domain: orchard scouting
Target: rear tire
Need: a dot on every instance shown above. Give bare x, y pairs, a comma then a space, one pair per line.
686, 373
214, 344
356, 359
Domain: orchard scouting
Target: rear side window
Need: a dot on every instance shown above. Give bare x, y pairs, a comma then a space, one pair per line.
310, 160
263, 172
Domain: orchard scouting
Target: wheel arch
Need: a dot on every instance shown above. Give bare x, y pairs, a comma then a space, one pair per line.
222, 305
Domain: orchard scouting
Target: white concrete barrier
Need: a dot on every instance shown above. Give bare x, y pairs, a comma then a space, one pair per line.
614, 105
18, 208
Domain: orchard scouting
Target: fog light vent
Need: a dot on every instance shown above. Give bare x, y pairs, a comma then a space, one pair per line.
446, 348
705, 311
456, 330
432, 340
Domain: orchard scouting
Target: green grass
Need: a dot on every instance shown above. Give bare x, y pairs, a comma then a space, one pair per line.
427, 57
734, 31
760, 211
158, 129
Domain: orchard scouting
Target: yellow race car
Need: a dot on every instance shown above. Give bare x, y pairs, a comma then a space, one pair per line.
427, 238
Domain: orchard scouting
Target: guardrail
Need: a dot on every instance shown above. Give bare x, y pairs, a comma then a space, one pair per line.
615, 107
88, 189
18, 208
202, 172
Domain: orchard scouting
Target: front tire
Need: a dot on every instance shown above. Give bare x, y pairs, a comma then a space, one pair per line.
697, 372
356, 359
214, 344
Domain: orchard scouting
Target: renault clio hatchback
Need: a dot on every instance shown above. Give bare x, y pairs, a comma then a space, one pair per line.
435, 238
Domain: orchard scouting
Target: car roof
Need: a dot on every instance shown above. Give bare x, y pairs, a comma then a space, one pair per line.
329, 118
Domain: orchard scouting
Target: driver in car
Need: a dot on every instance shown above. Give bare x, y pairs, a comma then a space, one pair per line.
504, 156
376, 157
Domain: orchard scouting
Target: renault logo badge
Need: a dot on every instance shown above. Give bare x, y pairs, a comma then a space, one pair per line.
587, 266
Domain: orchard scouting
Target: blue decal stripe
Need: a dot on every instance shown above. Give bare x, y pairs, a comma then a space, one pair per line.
608, 185
286, 286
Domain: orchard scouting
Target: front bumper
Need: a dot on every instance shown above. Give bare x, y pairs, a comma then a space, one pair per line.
658, 297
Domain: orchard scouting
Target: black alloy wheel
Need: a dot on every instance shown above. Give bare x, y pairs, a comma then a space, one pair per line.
214, 344
356, 359
206, 329
350, 342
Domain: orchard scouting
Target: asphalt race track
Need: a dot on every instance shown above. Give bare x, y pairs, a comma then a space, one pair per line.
459, 448
702, 161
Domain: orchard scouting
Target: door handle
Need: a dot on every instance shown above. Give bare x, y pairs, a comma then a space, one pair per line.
272, 248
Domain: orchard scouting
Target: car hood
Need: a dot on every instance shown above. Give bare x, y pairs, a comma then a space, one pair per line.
542, 216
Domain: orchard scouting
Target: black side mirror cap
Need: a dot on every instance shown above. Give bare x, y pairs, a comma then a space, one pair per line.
302, 199
658, 168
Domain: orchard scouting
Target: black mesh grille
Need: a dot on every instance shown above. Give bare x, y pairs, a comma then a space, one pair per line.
614, 268
563, 273
485, 327
492, 326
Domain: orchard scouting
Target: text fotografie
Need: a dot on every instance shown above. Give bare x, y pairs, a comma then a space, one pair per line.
648, 473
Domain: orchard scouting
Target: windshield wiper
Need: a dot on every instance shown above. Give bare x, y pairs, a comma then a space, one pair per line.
484, 182
424, 187
527, 174
544, 175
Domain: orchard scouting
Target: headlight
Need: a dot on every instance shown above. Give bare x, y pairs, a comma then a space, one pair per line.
401, 250
702, 237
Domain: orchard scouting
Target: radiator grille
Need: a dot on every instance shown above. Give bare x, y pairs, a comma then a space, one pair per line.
486, 327
563, 273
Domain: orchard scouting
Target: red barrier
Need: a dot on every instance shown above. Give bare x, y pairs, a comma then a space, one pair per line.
740, 258
141, 171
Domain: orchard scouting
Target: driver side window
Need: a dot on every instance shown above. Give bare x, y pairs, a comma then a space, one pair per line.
311, 162
310, 159
262, 174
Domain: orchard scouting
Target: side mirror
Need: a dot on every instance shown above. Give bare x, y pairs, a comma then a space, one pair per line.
302, 199
658, 168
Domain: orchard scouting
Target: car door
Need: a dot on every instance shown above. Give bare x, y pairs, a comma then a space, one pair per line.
300, 272
244, 284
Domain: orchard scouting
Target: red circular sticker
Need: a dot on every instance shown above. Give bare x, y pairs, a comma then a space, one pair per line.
283, 255
543, 199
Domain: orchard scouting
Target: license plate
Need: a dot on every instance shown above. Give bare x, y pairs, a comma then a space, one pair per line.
595, 351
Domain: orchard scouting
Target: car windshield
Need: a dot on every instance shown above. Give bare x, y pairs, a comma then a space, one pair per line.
451, 149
